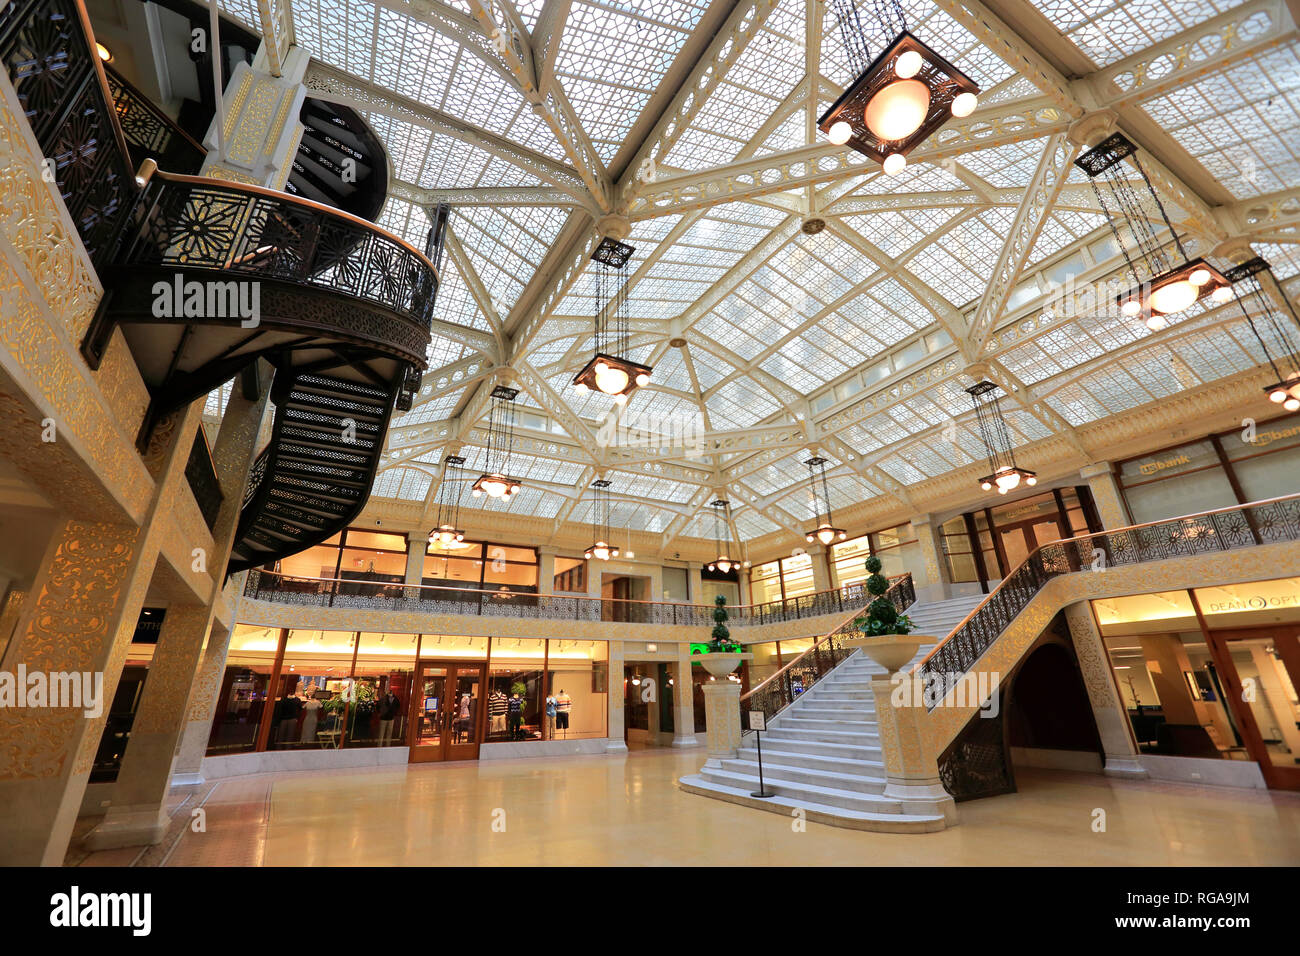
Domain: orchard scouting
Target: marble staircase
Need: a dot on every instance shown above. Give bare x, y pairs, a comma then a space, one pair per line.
822, 753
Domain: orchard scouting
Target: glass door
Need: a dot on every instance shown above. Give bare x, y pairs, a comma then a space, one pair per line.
449, 725
1263, 675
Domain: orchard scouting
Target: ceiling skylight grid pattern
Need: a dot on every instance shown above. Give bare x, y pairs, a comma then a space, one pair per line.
506, 245
1107, 31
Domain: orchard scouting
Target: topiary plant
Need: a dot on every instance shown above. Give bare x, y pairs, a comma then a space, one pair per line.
882, 617
721, 642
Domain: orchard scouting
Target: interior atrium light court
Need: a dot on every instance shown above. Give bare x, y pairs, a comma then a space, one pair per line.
688, 432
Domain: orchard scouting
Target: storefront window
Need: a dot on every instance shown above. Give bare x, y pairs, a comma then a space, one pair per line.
848, 561
765, 582
570, 575
1178, 481
1265, 460
313, 661
797, 575
322, 561
958, 551
578, 692
383, 679
515, 689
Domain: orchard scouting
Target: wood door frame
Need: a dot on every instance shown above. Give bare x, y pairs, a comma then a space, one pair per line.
443, 751
1218, 641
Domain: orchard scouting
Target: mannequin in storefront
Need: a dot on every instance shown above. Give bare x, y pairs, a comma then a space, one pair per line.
563, 705
515, 716
389, 707
311, 712
551, 711
498, 704
290, 711
464, 717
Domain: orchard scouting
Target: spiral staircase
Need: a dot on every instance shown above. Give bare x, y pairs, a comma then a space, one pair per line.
343, 308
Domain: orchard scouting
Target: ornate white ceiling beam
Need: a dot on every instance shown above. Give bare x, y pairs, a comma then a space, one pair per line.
451, 378
1272, 214
674, 527
527, 196
746, 440
1023, 396
1208, 47
328, 83
1036, 206
536, 385
509, 36
478, 292
548, 32
740, 28
823, 162
765, 505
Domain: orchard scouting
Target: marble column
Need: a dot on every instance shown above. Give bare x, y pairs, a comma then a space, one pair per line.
722, 719
821, 571
1106, 494
683, 699
545, 570
935, 586
911, 770
417, 544
138, 815
694, 582
1120, 753
614, 742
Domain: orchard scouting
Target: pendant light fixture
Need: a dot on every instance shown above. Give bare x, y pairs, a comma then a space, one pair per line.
447, 534
1166, 281
1259, 293
902, 96
602, 550
609, 370
722, 535
1004, 473
495, 482
825, 532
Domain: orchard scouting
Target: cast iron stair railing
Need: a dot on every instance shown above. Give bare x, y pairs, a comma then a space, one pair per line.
344, 308
1225, 529
781, 689
149, 132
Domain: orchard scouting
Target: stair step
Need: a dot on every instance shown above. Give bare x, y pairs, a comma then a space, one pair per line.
773, 770
856, 728
850, 766
826, 796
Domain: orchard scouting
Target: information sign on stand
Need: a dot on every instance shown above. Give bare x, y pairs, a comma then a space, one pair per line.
758, 724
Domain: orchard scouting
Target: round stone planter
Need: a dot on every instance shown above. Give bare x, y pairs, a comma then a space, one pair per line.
890, 651
720, 665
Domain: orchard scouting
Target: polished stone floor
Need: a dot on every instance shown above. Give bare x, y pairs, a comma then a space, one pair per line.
627, 810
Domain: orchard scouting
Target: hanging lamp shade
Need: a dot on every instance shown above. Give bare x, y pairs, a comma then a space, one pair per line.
609, 371
903, 93
446, 534
1004, 474
1276, 327
601, 549
722, 536
1165, 281
825, 532
495, 482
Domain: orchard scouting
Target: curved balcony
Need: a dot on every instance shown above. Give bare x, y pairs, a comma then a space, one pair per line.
149, 132
278, 588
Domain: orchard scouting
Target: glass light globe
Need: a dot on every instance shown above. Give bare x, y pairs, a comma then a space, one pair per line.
839, 133
898, 111
963, 104
580, 387
1156, 322
1278, 396
986, 486
825, 535
620, 399
610, 380
908, 65
1007, 480
642, 379
893, 163
1131, 307
724, 565
808, 538
1001, 490
1222, 294
1174, 297
1291, 404
1199, 277
1294, 389
1031, 480
843, 535
476, 493
495, 488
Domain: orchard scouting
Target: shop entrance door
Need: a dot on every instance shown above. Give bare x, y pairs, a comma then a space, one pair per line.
1021, 539
449, 721
1261, 666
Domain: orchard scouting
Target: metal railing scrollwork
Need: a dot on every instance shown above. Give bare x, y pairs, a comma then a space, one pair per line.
1226, 529
149, 132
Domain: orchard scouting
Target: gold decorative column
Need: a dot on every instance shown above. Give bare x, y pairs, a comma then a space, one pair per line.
1121, 754
935, 586
615, 742
683, 699
1106, 494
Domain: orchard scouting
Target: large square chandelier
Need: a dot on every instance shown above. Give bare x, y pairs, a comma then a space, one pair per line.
722, 536
495, 482
447, 533
1166, 281
609, 370
901, 96
1263, 301
602, 550
1004, 474
825, 532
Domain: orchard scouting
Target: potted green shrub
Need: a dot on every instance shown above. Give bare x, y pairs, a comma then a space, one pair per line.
886, 635
724, 655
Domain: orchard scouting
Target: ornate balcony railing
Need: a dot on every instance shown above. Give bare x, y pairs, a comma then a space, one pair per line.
201, 474
149, 132
369, 287
780, 690
1226, 529
389, 593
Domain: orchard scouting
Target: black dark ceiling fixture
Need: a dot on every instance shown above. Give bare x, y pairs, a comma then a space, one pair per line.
902, 96
1165, 281
1004, 473
722, 535
602, 549
495, 482
825, 532
1262, 300
609, 370
447, 532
